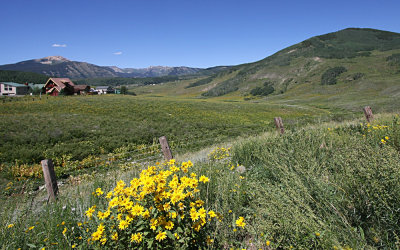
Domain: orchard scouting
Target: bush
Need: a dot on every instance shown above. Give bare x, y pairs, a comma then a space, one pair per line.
330, 75
200, 82
160, 210
263, 91
357, 76
394, 59
224, 87
124, 90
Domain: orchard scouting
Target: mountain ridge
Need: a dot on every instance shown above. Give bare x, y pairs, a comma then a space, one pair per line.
297, 63
58, 66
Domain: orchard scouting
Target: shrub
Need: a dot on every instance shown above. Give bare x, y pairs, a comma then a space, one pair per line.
394, 59
200, 82
330, 75
161, 209
224, 87
263, 91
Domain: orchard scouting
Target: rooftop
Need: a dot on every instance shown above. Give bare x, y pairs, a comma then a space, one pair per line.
14, 84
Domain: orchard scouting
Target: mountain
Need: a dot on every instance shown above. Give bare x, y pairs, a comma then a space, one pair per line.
59, 66
344, 69
360, 53
154, 71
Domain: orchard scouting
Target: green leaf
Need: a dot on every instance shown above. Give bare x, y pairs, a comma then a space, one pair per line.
150, 243
140, 222
170, 235
179, 230
30, 245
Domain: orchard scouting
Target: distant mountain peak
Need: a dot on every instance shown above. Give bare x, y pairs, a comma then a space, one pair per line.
52, 60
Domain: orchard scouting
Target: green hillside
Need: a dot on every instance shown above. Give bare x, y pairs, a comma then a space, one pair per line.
326, 69
22, 77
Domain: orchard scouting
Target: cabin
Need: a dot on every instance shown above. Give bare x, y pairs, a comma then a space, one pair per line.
105, 90
13, 89
55, 86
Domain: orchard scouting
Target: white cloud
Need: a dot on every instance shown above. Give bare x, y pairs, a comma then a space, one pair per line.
118, 53
56, 45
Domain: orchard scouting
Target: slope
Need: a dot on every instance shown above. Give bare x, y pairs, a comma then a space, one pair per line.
369, 59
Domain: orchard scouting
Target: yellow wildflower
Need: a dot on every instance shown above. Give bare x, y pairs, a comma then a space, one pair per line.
103, 241
209, 240
114, 236
212, 214
123, 224
240, 222
169, 225
161, 236
137, 237
90, 211
203, 179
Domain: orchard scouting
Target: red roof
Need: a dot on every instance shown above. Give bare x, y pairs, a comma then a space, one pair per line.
60, 83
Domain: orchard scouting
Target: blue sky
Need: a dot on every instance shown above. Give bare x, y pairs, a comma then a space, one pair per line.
200, 33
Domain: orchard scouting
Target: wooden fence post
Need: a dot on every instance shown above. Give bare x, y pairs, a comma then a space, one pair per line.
279, 125
368, 113
50, 178
165, 148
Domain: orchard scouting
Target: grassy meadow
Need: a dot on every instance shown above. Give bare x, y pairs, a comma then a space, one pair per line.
331, 185
81, 126
320, 185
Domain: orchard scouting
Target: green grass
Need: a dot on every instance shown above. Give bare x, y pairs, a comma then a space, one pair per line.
75, 130
329, 185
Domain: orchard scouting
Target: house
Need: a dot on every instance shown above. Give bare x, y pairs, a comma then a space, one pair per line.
105, 90
81, 89
55, 86
12, 88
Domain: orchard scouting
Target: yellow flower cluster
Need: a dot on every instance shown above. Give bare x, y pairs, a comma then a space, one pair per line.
219, 153
27, 171
157, 205
384, 140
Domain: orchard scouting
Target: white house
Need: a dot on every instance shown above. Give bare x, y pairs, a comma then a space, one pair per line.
105, 90
12, 88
